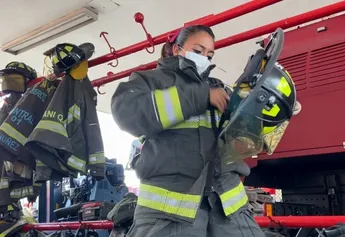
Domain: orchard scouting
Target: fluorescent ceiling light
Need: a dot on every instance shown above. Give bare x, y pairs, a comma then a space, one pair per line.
63, 25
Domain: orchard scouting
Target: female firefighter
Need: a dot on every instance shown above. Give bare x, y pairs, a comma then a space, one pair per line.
171, 106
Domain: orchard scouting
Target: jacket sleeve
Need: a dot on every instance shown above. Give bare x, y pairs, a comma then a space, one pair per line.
141, 110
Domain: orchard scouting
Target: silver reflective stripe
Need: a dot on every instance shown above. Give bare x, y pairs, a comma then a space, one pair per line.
76, 163
96, 158
169, 107
234, 200
168, 201
154, 105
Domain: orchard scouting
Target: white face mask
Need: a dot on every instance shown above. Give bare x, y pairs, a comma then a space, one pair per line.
201, 62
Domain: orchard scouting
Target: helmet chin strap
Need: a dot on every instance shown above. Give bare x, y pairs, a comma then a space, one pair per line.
79, 72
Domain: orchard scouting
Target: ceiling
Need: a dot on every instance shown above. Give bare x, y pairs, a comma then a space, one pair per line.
18, 17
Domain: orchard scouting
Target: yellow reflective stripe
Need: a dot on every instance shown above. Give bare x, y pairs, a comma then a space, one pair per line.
284, 87
73, 112
168, 106
9, 208
272, 112
96, 158
203, 120
185, 205
4, 183
267, 130
53, 127
68, 48
62, 54
13, 133
76, 163
22, 192
234, 199
55, 60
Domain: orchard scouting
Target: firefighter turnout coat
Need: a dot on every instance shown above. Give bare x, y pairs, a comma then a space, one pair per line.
68, 138
169, 105
21, 121
16, 178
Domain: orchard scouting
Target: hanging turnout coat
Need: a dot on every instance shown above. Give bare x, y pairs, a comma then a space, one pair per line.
68, 137
21, 121
16, 178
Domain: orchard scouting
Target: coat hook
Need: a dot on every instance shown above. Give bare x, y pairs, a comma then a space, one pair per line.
139, 18
98, 90
111, 48
112, 65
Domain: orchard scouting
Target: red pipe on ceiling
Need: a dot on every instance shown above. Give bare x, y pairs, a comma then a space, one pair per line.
250, 34
210, 20
263, 221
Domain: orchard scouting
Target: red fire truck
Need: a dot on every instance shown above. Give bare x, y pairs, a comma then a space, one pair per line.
308, 164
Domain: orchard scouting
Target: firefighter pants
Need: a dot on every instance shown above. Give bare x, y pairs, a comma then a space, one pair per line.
210, 222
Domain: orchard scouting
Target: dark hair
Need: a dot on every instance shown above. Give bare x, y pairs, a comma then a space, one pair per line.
182, 37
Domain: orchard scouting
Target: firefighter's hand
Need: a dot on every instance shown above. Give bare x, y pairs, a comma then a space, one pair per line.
219, 98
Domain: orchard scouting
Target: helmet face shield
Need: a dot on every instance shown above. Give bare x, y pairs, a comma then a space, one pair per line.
12, 83
240, 138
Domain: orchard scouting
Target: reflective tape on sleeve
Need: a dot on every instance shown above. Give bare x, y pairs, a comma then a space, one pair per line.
234, 199
203, 120
76, 163
160, 199
13, 133
168, 106
96, 158
52, 126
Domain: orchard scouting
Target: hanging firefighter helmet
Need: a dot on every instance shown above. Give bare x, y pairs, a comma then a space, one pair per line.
20, 68
15, 76
66, 56
261, 106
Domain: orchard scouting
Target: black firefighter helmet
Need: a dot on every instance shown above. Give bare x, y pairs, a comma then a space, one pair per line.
66, 56
260, 107
15, 76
